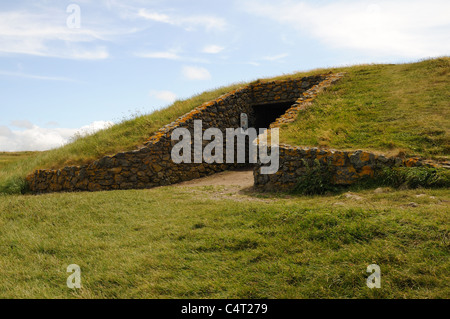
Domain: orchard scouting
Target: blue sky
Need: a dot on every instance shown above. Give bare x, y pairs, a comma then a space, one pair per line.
61, 72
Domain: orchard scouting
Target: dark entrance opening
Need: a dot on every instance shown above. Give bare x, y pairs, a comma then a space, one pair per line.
265, 114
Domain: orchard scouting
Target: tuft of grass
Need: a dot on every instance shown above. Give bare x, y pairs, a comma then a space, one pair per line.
414, 177
14, 185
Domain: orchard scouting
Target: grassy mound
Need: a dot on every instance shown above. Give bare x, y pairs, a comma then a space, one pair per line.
388, 108
394, 109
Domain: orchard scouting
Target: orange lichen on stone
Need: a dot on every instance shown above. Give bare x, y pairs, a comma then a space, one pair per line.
321, 156
338, 159
366, 171
364, 156
351, 169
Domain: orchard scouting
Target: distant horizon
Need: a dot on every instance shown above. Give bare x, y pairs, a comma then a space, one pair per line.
71, 66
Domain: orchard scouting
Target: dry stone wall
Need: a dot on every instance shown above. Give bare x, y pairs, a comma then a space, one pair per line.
282, 91
151, 165
346, 167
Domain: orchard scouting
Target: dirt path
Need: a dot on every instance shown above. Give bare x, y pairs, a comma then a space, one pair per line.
242, 178
232, 185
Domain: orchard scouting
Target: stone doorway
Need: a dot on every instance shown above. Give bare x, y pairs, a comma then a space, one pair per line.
265, 114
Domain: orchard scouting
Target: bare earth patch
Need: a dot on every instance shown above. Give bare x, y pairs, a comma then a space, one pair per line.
236, 185
242, 178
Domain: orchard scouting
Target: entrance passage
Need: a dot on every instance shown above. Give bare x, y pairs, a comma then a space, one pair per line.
265, 114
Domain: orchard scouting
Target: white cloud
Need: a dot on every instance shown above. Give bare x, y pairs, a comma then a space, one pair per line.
270, 58
5, 131
166, 96
155, 16
52, 124
22, 124
94, 127
35, 77
196, 73
275, 57
170, 55
43, 32
35, 138
405, 28
189, 23
212, 49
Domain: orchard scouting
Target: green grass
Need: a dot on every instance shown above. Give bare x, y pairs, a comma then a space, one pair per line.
11, 157
413, 177
173, 242
387, 108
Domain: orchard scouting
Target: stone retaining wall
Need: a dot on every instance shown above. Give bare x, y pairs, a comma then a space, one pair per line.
151, 165
346, 167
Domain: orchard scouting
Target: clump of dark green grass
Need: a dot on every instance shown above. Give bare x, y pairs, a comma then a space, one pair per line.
316, 180
414, 177
14, 185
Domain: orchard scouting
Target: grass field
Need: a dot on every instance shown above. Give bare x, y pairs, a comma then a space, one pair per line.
388, 108
207, 242
13, 157
222, 242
